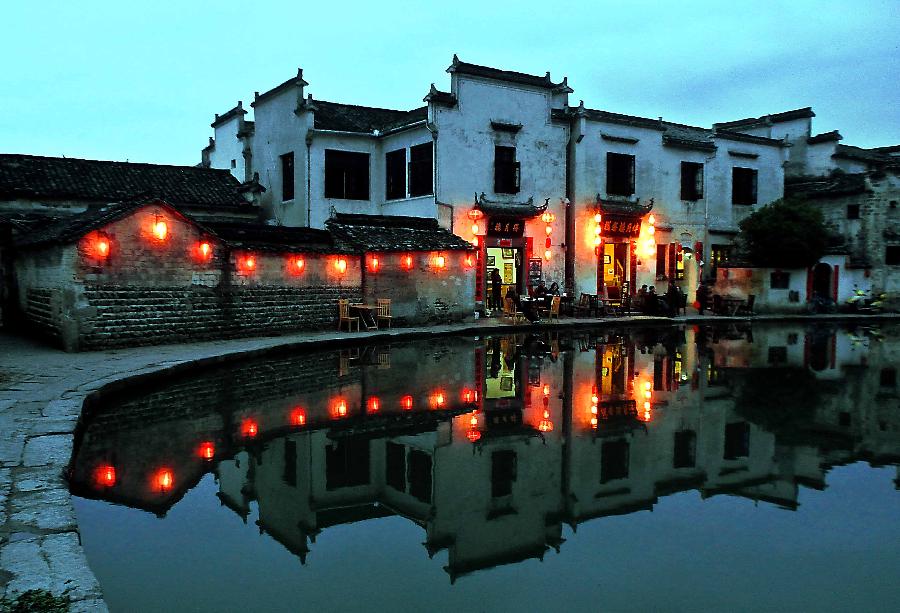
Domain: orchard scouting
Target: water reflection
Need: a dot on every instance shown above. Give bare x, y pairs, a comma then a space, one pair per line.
493, 445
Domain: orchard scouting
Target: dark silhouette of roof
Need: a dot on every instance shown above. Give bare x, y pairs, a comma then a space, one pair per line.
98, 181
509, 76
364, 119
394, 233
835, 185
748, 122
263, 237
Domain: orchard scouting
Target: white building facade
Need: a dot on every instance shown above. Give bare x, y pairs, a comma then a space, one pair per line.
504, 161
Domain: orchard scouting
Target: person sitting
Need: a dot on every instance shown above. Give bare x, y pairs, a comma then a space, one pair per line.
640, 298
554, 289
672, 300
528, 309
651, 301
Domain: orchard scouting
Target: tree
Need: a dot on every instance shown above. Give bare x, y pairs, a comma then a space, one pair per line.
785, 234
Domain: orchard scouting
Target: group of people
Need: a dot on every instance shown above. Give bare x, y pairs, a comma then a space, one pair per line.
541, 294
668, 304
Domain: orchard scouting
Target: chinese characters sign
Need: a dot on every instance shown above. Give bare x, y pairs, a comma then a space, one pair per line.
614, 225
506, 227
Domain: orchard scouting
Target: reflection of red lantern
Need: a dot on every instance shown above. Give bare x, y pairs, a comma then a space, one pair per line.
164, 480
105, 475
373, 405
249, 428
206, 450
437, 399
339, 408
545, 426
298, 417
473, 435
406, 403
468, 395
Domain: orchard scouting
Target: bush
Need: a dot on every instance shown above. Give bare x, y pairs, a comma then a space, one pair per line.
36, 601
785, 234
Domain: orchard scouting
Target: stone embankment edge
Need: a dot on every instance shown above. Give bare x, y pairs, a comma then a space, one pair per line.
40, 546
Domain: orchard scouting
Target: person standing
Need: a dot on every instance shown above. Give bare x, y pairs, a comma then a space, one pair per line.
702, 297
496, 288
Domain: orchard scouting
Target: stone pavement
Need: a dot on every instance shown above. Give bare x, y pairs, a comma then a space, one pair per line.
42, 390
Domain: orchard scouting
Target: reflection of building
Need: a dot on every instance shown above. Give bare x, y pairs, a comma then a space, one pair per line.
586, 427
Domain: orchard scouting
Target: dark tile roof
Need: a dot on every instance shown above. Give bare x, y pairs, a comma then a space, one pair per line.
825, 137
263, 237
363, 119
292, 82
870, 156
438, 97
18, 223
509, 76
748, 138
688, 137
628, 120
237, 111
394, 233
833, 186
31, 176
767, 119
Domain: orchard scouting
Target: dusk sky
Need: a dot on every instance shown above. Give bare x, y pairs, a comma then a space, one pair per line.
107, 80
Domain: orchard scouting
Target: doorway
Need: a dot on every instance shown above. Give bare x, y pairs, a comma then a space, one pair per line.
507, 262
612, 269
821, 285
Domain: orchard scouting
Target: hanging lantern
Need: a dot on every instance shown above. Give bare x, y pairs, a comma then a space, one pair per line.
249, 428
546, 390
373, 404
373, 263
297, 265
475, 228
548, 230
247, 263
468, 395
475, 214
101, 246
473, 435
470, 260
298, 417
651, 220
207, 450
339, 408
545, 426
164, 480
160, 228
598, 217
340, 265
440, 261
437, 399
204, 251
407, 262
547, 254
105, 475
406, 403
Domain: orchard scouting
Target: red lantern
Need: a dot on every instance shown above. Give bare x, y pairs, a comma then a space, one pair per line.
298, 417
373, 404
164, 480
406, 403
204, 251
101, 246
105, 475
473, 435
207, 450
373, 263
407, 262
160, 228
475, 214
249, 428
341, 265
298, 265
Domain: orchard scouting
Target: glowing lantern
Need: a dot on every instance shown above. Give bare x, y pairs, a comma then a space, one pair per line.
105, 475
598, 218
546, 390
594, 398
249, 428
160, 228
440, 261
646, 406
594, 409
297, 265
594, 422
475, 214
248, 262
473, 421
473, 435
204, 251
474, 241
475, 228
298, 417
545, 426
651, 220
468, 395
373, 264
407, 262
546, 414
341, 265
597, 241
373, 405
548, 230
101, 246
470, 261
548, 217
437, 399
207, 450
164, 480
339, 408
647, 385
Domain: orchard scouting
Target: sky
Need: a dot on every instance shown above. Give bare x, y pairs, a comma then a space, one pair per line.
141, 81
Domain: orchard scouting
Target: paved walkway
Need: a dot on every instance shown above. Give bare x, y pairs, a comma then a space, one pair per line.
42, 390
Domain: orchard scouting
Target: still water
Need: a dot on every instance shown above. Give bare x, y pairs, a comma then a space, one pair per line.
721, 468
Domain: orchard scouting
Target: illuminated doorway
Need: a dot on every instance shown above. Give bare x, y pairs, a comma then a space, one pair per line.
504, 271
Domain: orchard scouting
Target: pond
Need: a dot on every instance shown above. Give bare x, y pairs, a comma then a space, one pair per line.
676, 468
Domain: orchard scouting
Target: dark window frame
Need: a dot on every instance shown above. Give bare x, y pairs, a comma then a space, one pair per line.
287, 176
347, 174
892, 255
395, 174
692, 181
421, 170
744, 185
779, 279
853, 211
620, 174
507, 170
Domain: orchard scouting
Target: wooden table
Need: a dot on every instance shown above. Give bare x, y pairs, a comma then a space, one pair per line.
367, 315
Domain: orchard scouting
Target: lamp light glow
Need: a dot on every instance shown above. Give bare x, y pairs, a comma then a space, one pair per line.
207, 450
105, 475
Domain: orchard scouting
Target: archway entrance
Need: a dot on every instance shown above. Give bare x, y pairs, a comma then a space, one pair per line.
821, 282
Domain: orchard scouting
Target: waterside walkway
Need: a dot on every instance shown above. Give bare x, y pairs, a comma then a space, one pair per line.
42, 390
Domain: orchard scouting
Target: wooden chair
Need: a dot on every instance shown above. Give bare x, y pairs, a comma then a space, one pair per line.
344, 316
510, 311
553, 311
747, 308
384, 310
584, 306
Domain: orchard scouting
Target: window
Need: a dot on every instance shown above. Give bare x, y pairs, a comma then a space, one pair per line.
347, 464
507, 173
619, 174
614, 461
503, 473
852, 211
290, 462
718, 255
421, 170
778, 355
779, 280
685, 455
346, 175
888, 377
691, 181
234, 163
420, 475
737, 440
892, 255
287, 176
395, 174
395, 466
743, 185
